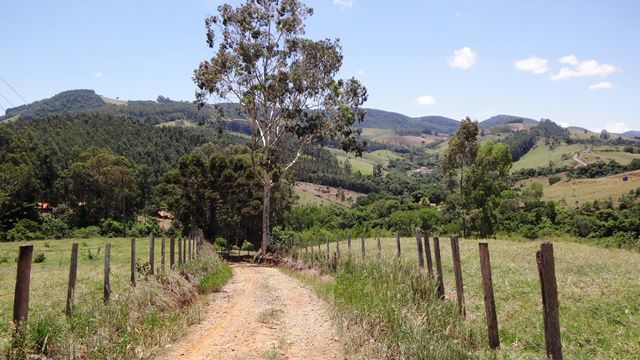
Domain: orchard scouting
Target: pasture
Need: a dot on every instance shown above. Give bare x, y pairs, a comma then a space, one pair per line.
598, 294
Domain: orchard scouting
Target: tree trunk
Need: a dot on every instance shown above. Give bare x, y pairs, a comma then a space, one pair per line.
266, 211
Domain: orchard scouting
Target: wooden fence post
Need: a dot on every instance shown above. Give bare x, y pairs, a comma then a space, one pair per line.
436, 254
184, 251
162, 254
313, 255
457, 271
172, 251
549, 288
73, 273
419, 246
328, 249
379, 246
179, 250
427, 254
398, 244
364, 252
23, 280
107, 270
338, 246
152, 255
133, 261
190, 248
349, 243
489, 301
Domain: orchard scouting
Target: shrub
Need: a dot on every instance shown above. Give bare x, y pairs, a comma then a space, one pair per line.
86, 233
247, 246
53, 228
148, 227
220, 244
40, 257
4, 259
25, 229
529, 232
554, 179
111, 228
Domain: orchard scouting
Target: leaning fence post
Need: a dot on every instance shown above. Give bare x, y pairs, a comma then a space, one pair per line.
364, 252
172, 251
133, 261
549, 288
107, 270
427, 254
436, 254
152, 255
489, 301
23, 279
419, 246
398, 244
73, 272
457, 271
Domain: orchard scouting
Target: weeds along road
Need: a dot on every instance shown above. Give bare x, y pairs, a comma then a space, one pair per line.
261, 314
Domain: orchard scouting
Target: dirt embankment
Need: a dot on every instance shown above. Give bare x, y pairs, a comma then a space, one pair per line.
262, 314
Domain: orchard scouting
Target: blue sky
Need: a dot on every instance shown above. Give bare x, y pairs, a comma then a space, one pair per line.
572, 61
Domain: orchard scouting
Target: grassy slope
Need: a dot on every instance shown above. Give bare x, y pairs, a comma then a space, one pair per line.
49, 283
608, 153
578, 191
541, 155
178, 123
306, 198
599, 307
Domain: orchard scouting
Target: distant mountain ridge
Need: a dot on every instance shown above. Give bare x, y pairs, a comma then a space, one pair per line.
74, 102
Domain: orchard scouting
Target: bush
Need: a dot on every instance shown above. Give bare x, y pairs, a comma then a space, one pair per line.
25, 229
148, 227
86, 233
111, 228
53, 228
529, 232
220, 244
554, 179
247, 246
4, 259
40, 257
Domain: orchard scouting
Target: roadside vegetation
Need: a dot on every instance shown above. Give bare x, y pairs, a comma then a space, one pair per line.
135, 323
388, 309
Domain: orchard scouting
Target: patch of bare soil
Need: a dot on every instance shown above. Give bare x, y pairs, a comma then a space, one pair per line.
262, 314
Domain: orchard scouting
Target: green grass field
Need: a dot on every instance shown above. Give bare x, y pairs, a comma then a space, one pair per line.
178, 123
598, 293
541, 155
49, 279
607, 154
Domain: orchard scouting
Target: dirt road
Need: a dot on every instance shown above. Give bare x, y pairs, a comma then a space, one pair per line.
261, 314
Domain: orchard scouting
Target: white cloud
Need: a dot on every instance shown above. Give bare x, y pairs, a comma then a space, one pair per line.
533, 64
463, 58
98, 75
604, 85
579, 68
569, 60
345, 4
426, 100
617, 128
564, 124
